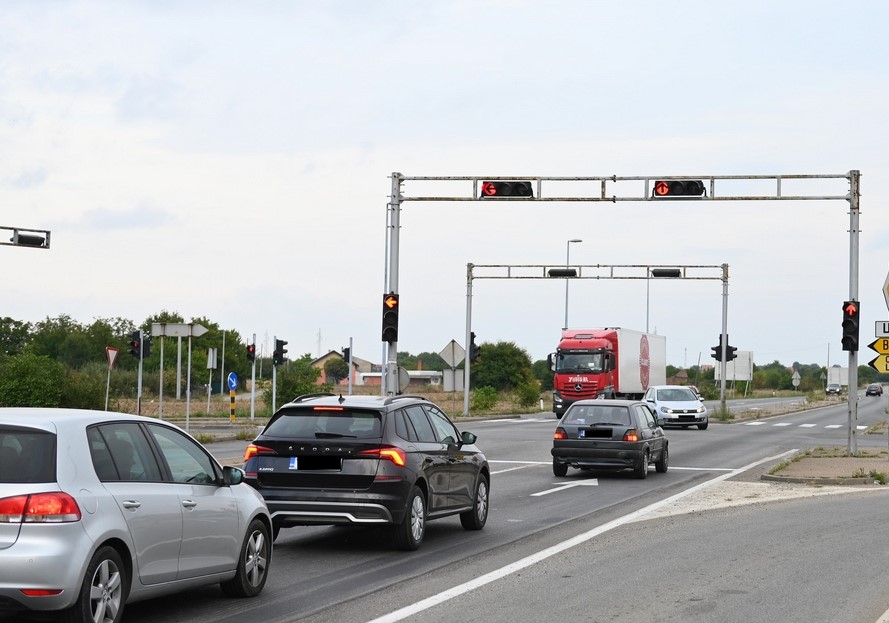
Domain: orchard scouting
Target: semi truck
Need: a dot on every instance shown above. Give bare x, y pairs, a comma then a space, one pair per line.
606, 363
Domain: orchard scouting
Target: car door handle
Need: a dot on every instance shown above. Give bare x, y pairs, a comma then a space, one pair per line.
189, 503
131, 504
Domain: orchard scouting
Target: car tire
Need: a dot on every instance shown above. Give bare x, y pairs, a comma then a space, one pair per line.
276, 530
253, 563
663, 463
703, 426
559, 468
410, 532
476, 518
642, 469
103, 593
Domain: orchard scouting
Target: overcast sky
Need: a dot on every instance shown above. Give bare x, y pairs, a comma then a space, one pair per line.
231, 160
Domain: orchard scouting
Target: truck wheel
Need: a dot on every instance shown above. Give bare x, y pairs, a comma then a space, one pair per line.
559, 469
642, 470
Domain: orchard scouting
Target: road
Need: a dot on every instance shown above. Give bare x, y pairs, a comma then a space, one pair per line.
587, 550
554, 551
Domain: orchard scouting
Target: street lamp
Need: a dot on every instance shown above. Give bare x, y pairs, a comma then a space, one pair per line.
567, 262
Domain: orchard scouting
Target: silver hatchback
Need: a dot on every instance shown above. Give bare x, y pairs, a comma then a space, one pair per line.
99, 509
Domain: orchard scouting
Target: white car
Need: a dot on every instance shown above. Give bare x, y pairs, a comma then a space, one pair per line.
677, 405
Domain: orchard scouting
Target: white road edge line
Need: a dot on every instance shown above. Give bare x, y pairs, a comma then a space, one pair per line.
526, 562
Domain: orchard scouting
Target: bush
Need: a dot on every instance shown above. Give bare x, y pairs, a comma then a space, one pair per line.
31, 381
484, 398
528, 394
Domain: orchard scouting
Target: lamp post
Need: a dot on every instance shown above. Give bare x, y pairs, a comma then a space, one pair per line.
567, 262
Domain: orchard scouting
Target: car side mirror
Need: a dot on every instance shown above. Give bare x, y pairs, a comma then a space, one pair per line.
468, 438
232, 475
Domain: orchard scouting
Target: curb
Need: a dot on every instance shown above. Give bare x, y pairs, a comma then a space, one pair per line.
818, 481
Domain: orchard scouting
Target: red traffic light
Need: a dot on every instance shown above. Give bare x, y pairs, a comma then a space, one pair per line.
678, 188
251, 352
496, 190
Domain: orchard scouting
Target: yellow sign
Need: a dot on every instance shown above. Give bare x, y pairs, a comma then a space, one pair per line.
880, 345
880, 364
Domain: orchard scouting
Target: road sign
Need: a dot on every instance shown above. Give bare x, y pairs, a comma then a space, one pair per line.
452, 354
881, 328
232, 381
880, 346
880, 364
111, 352
886, 291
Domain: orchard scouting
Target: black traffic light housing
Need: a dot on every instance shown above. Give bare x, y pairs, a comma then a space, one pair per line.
135, 343
146, 347
279, 356
729, 350
495, 190
390, 317
851, 316
730, 353
717, 350
251, 352
678, 188
347, 354
473, 348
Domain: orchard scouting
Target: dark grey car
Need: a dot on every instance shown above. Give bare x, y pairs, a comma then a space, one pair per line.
609, 435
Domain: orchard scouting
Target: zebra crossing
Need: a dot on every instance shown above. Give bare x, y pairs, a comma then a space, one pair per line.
552, 420
784, 424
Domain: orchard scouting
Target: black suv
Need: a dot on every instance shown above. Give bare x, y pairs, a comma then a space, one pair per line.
368, 460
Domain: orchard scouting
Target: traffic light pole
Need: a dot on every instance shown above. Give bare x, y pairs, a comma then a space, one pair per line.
253, 382
389, 378
854, 213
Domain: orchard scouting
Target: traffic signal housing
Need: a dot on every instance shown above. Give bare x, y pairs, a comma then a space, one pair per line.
717, 350
347, 354
135, 343
279, 356
251, 352
390, 317
730, 353
678, 188
146, 347
473, 348
851, 316
495, 190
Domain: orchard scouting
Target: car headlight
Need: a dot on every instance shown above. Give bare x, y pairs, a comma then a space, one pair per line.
702, 409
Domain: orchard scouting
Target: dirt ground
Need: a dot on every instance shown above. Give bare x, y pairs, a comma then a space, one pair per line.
836, 467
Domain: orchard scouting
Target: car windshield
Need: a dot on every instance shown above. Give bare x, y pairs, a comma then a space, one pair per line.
320, 423
590, 415
675, 394
580, 362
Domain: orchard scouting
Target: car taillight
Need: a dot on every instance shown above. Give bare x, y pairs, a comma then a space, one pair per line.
390, 453
252, 450
560, 434
54, 507
631, 435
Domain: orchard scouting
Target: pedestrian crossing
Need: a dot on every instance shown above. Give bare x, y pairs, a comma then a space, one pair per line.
551, 420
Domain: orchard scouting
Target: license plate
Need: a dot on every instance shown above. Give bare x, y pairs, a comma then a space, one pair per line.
581, 433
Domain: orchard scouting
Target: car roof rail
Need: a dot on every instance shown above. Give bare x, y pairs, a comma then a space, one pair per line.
306, 397
392, 399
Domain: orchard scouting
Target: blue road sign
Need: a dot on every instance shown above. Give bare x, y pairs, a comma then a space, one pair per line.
232, 381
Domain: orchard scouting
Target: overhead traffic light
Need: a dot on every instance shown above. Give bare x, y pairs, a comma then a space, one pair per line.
851, 315
473, 348
347, 354
251, 352
280, 354
390, 317
494, 190
135, 343
678, 188
717, 350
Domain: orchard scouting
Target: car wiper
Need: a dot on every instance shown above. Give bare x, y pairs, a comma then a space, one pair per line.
321, 435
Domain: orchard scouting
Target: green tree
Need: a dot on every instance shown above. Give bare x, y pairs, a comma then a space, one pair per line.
503, 366
543, 374
336, 369
30, 380
296, 378
14, 335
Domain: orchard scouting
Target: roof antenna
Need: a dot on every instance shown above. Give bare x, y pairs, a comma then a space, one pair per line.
341, 399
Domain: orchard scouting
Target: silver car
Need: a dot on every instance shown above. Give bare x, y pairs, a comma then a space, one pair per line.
677, 405
100, 509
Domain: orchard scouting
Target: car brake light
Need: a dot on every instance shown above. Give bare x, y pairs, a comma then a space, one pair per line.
631, 435
252, 450
560, 433
327, 409
390, 453
41, 592
54, 507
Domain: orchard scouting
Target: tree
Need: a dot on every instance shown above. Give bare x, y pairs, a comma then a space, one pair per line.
543, 374
295, 378
14, 335
336, 369
503, 366
31, 380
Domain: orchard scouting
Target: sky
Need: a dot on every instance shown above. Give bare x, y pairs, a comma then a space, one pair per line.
232, 160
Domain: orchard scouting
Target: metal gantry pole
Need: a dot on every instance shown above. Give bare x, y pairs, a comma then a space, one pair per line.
854, 198
391, 362
724, 339
468, 339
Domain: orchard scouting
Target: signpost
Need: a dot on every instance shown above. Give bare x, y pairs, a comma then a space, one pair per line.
178, 330
111, 352
881, 332
232, 388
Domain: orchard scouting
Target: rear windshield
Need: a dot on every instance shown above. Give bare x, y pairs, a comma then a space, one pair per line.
27, 456
325, 424
596, 414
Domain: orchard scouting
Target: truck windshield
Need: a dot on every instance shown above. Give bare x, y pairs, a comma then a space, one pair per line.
580, 362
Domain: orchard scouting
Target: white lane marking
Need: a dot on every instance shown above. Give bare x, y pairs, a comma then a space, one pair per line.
533, 559
807, 425
512, 469
580, 483
833, 426
703, 469
754, 423
781, 424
